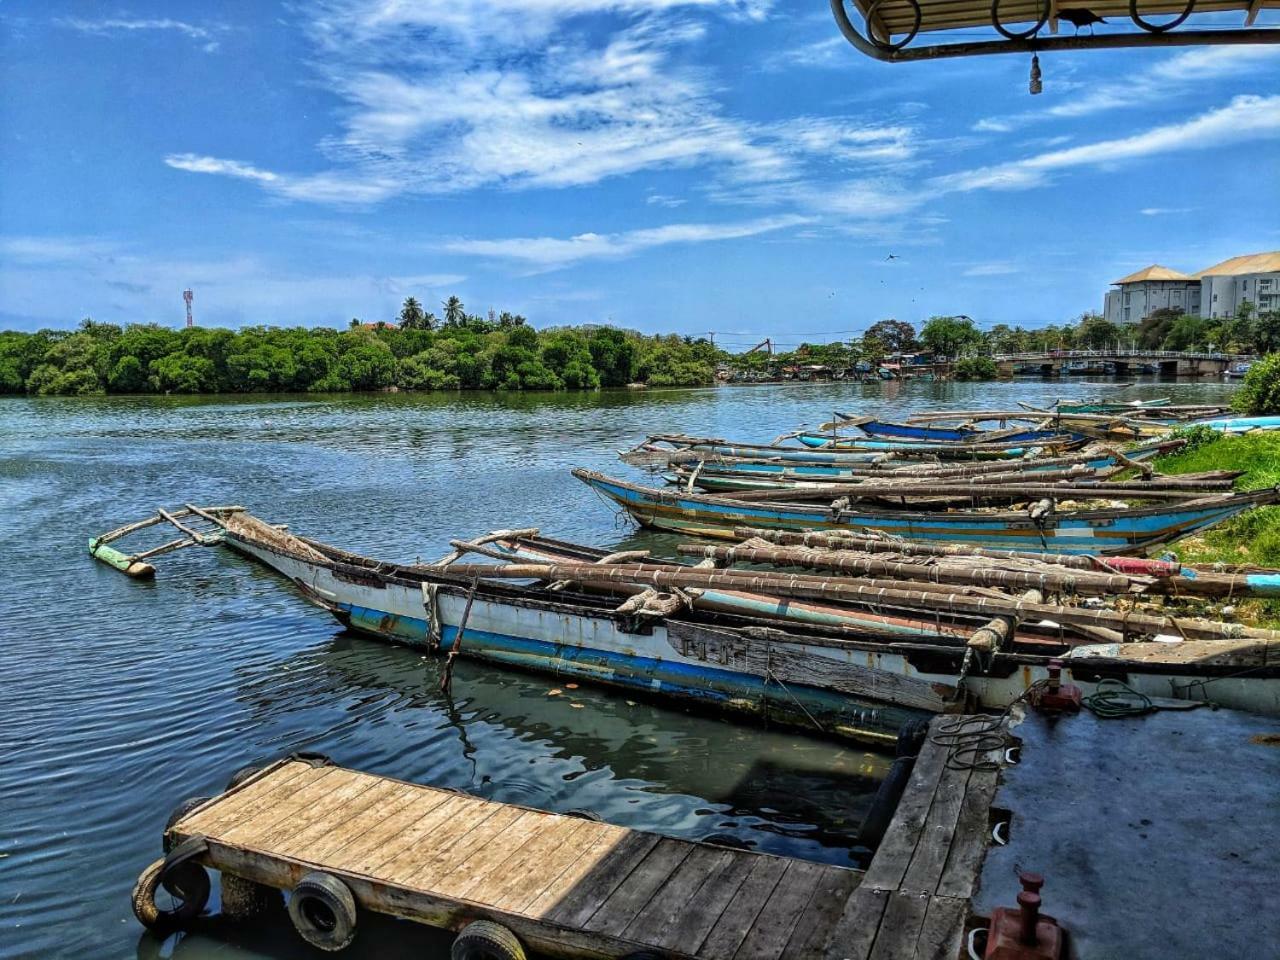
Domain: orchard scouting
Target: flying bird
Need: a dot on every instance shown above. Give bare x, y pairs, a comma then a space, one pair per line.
1079, 16
892, 256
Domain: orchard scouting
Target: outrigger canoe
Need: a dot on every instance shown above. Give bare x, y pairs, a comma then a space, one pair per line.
1098, 531
848, 671
941, 434
975, 449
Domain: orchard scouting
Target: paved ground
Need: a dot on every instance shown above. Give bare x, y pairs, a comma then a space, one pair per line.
1157, 836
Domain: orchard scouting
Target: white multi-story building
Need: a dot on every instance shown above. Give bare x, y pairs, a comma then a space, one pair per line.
1216, 291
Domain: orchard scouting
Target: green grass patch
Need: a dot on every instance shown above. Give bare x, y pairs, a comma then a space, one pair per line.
1252, 537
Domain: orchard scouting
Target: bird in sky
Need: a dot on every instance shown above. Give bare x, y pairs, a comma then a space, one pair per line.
892, 256
1079, 16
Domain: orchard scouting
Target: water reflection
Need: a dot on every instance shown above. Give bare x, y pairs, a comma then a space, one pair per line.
119, 699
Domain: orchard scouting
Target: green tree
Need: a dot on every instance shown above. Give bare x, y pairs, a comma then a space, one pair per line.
950, 336
1259, 395
898, 336
412, 316
455, 314
1095, 332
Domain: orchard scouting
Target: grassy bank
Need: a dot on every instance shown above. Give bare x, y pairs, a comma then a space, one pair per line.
1253, 537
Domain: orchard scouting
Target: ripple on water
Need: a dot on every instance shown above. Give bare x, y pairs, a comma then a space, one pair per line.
120, 699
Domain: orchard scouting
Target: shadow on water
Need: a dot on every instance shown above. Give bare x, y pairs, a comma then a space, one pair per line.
120, 699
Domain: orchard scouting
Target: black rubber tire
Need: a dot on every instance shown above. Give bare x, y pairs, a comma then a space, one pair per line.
584, 815
188, 882
180, 811
241, 775
485, 940
323, 911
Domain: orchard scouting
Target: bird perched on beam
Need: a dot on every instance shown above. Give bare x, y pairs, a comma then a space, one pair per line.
1081, 17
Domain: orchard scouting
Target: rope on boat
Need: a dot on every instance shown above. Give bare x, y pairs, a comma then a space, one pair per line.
1113, 699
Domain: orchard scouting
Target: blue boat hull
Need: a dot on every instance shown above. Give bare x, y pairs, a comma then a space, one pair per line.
1096, 532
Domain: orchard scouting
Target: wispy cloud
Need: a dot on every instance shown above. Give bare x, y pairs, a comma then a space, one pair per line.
1168, 78
193, 163
826, 53
117, 26
662, 200
1244, 119
550, 253
1162, 211
997, 269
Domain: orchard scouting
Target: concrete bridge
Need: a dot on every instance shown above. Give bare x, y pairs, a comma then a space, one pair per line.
1168, 363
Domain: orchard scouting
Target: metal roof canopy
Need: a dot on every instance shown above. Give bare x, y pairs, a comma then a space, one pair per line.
906, 19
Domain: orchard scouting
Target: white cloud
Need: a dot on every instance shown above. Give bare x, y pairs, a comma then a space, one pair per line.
107, 27
662, 200
997, 269
1245, 118
550, 253
1162, 211
827, 53
194, 163
1165, 80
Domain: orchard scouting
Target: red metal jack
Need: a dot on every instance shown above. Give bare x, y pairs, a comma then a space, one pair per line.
1056, 697
1024, 933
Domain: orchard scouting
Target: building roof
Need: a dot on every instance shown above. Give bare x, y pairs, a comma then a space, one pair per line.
1153, 272
1249, 263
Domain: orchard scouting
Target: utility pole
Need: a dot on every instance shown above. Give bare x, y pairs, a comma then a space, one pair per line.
187, 295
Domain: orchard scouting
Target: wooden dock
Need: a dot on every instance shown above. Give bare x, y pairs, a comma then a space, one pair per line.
573, 887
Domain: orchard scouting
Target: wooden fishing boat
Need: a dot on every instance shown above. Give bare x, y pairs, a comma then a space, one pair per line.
977, 449
1102, 531
1238, 424
836, 673
963, 433
776, 469
1104, 406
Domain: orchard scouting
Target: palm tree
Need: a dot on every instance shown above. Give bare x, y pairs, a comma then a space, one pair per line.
454, 313
411, 315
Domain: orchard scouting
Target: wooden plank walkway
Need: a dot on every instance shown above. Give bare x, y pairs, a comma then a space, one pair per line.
573, 887
913, 901
566, 886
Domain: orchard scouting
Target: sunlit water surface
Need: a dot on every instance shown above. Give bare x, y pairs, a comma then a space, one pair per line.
119, 699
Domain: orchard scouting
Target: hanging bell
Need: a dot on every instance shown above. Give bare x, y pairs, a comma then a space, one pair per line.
1036, 85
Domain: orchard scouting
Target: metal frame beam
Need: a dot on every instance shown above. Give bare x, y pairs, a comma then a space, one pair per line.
1110, 41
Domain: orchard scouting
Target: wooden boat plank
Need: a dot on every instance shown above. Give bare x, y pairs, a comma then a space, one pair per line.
349, 839
581, 890
777, 920
936, 833
689, 926
487, 862
900, 927
537, 860
833, 890
336, 824
855, 931
281, 807
672, 900
638, 889
469, 855
942, 933
362, 852
428, 841
313, 818
252, 797
899, 844
972, 836
734, 923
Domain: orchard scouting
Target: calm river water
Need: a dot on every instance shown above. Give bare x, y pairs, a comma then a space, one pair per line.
119, 699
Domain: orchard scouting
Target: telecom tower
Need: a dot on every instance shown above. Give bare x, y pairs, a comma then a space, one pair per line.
187, 295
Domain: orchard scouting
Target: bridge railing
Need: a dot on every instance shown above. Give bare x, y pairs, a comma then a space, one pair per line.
1120, 354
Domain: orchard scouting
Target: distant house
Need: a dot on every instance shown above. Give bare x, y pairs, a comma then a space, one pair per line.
1216, 291
380, 325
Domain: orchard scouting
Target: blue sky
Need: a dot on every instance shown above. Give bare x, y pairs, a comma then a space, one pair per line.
669, 165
